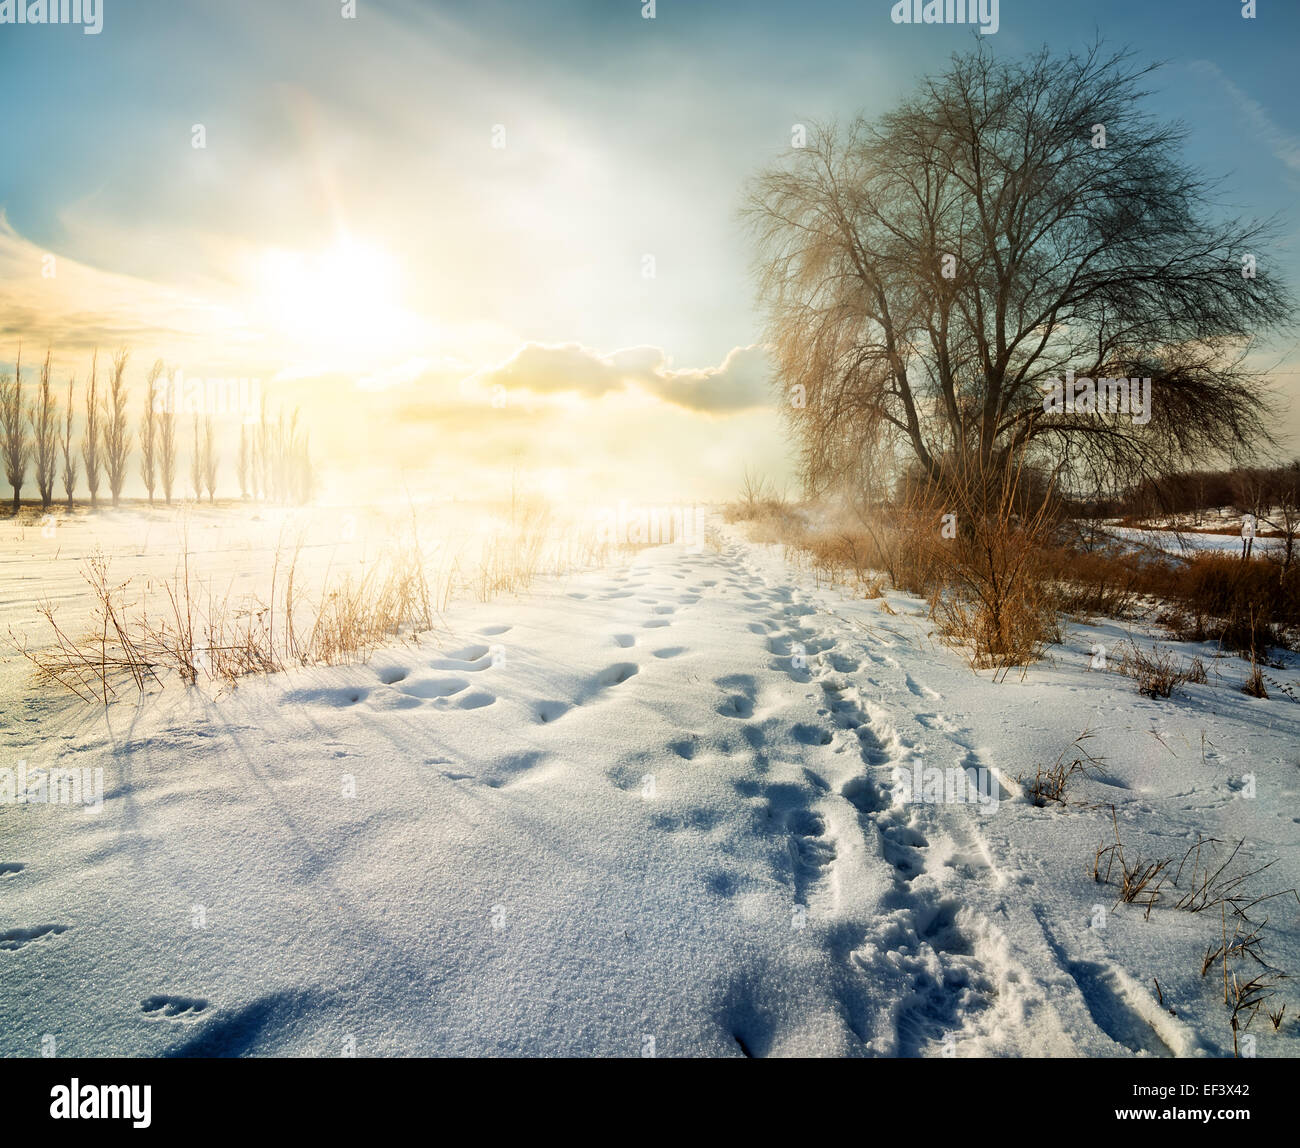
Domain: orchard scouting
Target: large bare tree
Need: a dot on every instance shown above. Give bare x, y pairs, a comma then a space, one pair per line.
927, 274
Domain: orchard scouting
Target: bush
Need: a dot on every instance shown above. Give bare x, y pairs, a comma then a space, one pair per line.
1159, 672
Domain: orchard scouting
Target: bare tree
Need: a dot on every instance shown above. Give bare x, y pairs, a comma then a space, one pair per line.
167, 448
928, 274
254, 466
196, 464
117, 435
299, 476
304, 471
1285, 518
69, 456
14, 446
279, 466
44, 419
90, 439
264, 449
149, 429
243, 461
210, 459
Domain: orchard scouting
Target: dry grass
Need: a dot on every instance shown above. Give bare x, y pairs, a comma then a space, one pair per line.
1254, 684
1214, 880
1009, 565
199, 635
1219, 884
1050, 784
758, 499
1094, 583
512, 558
1140, 881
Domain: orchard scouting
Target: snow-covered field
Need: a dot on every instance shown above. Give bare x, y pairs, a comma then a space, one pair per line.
1188, 542
654, 808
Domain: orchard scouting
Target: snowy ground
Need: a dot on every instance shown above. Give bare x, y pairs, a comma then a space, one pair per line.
649, 808
1188, 542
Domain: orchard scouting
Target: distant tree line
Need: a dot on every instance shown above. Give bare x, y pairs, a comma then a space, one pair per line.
1265, 492
37, 435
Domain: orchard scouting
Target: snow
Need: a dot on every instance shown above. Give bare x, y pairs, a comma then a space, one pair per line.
644, 809
1186, 542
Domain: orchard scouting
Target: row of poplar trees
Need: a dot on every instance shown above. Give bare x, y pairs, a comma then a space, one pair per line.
273, 461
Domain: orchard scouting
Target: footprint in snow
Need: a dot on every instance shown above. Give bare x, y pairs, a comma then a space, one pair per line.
616, 674
434, 687
340, 696
183, 1008
15, 939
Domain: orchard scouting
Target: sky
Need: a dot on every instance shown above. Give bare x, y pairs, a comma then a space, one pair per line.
473, 238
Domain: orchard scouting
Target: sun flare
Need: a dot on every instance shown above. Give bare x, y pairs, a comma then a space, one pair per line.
343, 300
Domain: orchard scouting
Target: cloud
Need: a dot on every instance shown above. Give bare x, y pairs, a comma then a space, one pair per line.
52, 300
739, 384
1284, 146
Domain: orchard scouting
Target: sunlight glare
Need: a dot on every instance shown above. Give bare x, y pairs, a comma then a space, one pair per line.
343, 300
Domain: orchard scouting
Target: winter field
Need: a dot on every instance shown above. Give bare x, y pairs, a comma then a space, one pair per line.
677, 801
568, 530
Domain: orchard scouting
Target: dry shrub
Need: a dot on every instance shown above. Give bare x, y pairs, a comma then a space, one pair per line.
199, 634
973, 547
997, 600
999, 582
1159, 672
758, 499
1247, 605
1093, 583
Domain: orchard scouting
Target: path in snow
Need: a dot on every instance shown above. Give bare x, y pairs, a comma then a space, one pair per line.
651, 807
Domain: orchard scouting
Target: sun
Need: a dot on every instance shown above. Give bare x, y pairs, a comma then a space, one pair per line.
341, 301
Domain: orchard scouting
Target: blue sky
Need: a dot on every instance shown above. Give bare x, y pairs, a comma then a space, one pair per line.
624, 137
